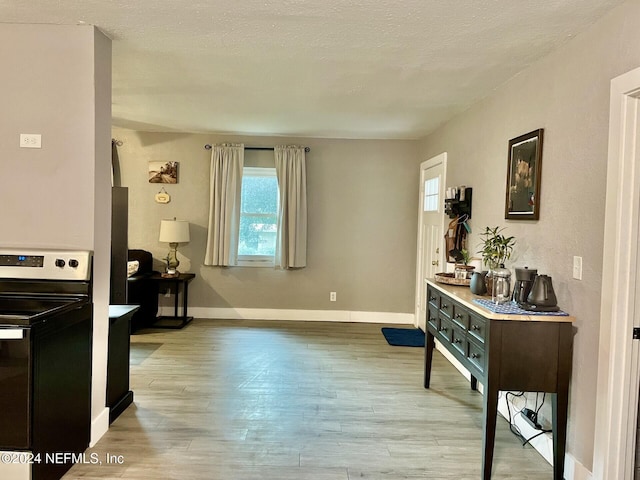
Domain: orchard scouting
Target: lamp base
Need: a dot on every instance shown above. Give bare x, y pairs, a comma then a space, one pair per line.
172, 262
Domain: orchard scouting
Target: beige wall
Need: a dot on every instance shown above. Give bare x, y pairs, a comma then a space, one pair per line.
567, 94
362, 206
47, 88
56, 81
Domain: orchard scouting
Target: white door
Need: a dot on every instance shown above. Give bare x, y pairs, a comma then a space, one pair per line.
430, 257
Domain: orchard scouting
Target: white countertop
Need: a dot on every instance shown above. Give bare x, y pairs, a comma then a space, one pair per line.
463, 295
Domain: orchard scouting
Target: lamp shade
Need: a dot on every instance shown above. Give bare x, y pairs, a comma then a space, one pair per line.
174, 231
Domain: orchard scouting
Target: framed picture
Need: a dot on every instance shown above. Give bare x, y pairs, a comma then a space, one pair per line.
523, 177
163, 172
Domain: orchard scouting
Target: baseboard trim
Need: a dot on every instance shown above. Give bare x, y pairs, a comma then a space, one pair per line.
574, 470
296, 315
542, 444
99, 426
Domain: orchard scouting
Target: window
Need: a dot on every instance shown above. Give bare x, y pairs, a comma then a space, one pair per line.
431, 190
258, 217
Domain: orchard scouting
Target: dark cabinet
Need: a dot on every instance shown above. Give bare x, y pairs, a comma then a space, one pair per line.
119, 397
119, 240
61, 398
503, 352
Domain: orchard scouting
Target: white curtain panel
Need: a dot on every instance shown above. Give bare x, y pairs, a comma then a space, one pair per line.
227, 161
291, 239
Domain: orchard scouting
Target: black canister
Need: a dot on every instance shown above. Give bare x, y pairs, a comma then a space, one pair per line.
477, 284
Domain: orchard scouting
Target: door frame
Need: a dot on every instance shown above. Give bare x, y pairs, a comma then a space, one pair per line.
432, 162
618, 360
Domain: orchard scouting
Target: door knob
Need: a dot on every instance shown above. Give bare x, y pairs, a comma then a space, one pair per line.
435, 263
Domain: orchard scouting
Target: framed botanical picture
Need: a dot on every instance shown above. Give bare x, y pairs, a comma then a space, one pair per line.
163, 172
523, 177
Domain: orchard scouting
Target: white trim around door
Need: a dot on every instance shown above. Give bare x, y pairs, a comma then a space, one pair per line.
618, 373
422, 256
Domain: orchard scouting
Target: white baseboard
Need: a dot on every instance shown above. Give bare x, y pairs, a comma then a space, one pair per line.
298, 315
573, 469
543, 444
99, 426
14, 471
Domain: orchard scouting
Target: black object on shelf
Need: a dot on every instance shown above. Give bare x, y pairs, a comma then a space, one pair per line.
142, 292
455, 207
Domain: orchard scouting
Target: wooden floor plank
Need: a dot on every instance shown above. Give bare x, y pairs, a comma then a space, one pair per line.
244, 400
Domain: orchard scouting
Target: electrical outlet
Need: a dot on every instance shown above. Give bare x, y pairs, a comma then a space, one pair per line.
332, 296
30, 140
577, 268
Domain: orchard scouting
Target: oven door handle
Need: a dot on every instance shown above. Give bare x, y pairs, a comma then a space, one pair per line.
11, 333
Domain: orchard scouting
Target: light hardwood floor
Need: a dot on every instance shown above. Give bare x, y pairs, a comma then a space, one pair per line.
245, 400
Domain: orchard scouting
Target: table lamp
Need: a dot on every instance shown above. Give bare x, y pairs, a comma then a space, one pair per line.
173, 232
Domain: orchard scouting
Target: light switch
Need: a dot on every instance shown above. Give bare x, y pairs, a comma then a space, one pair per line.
577, 268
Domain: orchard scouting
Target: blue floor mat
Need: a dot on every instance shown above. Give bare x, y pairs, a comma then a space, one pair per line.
404, 337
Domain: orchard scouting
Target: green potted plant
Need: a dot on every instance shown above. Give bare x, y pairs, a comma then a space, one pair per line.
463, 269
466, 257
496, 249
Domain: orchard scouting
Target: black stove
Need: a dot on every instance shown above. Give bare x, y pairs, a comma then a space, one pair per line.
46, 325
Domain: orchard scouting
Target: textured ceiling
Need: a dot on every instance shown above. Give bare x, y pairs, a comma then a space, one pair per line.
320, 68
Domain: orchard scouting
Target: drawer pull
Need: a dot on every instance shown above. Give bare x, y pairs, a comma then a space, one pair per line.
443, 329
432, 299
457, 340
475, 328
444, 306
458, 315
475, 355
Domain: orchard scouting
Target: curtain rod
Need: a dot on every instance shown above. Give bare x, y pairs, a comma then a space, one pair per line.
208, 147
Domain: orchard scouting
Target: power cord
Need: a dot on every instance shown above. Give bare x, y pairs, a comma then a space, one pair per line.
530, 415
544, 396
535, 436
512, 426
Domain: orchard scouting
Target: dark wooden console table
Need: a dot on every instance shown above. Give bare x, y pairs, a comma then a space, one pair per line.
530, 353
182, 280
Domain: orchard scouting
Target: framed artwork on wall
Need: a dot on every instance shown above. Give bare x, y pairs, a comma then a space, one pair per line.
163, 172
523, 177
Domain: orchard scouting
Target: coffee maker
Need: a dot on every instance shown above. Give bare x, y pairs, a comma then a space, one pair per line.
523, 284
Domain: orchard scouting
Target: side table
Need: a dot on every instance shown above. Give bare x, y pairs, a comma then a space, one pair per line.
181, 280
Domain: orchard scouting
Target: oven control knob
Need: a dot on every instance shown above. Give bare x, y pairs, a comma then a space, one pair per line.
73, 263
59, 262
